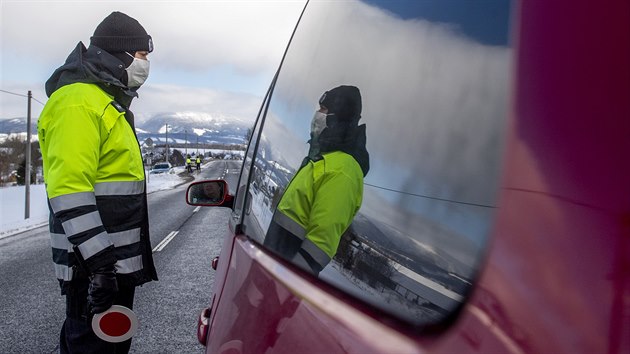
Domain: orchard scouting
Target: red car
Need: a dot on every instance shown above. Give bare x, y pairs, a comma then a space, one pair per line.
495, 215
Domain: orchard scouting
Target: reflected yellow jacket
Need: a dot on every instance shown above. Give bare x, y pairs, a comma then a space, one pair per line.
316, 209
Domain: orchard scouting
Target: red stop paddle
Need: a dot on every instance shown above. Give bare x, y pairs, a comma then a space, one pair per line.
115, 325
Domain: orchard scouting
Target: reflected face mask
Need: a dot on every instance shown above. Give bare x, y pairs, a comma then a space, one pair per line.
137, 72
318, 123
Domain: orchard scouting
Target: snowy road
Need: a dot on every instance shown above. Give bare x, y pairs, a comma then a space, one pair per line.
32, 309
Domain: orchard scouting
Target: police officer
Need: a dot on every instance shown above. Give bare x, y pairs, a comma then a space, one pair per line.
95, 179
326, 193
188, 164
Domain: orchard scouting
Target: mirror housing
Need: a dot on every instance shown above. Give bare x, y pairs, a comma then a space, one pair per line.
209, 193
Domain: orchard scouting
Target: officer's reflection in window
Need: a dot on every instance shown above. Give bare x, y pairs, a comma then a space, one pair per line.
208, 193
326, 192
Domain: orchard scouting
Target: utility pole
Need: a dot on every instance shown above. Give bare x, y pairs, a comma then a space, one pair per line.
27, 164
166, 142
186, 144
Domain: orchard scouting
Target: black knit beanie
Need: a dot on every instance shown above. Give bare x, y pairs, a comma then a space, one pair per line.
121, 33
344, 102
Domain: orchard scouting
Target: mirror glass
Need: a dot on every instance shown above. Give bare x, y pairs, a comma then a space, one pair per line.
206, 193
397, 208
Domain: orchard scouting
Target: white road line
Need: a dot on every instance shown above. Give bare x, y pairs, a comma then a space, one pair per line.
165, 241
196, 209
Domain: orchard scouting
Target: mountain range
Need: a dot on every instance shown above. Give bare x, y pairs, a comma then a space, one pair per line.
191, 127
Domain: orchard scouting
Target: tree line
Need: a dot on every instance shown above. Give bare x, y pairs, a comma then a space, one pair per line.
13, 161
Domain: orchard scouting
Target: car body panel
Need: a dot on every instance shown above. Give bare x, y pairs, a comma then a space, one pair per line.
286, 304
558, 266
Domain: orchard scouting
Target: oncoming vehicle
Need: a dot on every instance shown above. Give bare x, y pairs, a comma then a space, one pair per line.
162, 167
495, 214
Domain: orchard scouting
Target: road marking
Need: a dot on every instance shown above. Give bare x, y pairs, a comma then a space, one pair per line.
196, 209
165, 241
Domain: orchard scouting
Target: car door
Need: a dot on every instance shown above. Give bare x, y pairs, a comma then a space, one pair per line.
434, 82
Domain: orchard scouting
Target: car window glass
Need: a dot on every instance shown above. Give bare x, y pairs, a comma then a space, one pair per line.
242, 204
433, 78
241, 191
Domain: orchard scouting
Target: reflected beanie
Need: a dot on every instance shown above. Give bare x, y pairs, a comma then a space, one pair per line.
344, 102
121, 33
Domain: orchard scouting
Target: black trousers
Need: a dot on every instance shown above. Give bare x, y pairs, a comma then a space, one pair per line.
76, 333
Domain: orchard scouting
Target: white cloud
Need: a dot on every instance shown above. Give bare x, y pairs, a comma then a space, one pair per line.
198, 35
446, 95
171, 98
192, 40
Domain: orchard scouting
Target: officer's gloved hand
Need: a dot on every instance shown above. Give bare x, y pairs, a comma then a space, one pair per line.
102, 290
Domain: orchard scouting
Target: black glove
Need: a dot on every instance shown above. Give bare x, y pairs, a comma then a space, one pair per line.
102, 290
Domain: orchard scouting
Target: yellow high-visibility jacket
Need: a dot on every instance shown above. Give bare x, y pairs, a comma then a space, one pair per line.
316, 209
95, 184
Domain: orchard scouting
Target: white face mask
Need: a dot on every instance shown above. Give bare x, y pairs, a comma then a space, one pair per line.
318, 123
137, 72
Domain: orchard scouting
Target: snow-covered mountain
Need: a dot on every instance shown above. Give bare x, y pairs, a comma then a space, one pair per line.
193, 127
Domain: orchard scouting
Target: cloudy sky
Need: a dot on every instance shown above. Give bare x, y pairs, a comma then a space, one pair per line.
210, 56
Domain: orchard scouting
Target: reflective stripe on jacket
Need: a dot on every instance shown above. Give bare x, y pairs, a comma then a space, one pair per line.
316, 209
95, 184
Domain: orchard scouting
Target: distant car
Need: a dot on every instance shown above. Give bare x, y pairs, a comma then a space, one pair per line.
163, 167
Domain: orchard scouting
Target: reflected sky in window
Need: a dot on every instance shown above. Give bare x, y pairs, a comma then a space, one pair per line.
484, 21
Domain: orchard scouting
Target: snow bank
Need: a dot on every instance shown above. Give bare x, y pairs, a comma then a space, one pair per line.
12, 201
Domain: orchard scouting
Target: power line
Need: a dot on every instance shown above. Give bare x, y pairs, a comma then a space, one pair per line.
22, 95
428, 197
36, 100
13, 93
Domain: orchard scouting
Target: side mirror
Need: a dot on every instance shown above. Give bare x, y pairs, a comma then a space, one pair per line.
209, 193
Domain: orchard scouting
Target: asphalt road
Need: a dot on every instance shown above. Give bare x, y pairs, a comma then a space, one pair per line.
32, 309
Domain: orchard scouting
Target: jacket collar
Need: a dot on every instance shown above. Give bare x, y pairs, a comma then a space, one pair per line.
92, 65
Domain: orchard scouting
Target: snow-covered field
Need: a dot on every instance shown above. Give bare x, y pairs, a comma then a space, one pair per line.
12, 201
